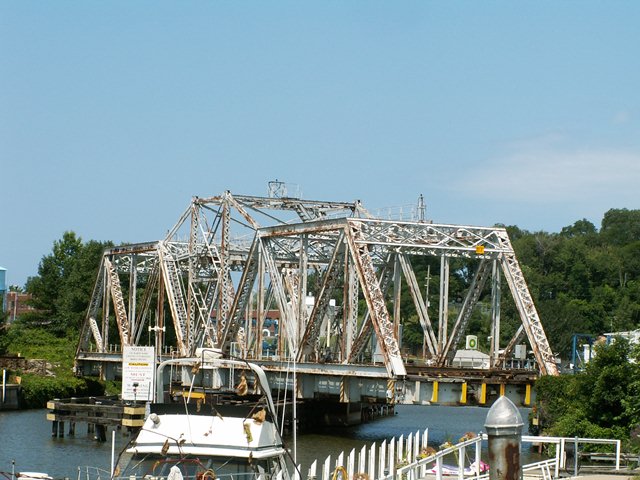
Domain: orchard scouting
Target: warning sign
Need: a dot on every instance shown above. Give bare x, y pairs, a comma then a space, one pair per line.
138, 373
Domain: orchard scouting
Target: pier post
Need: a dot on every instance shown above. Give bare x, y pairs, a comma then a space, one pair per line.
54, 428
504, 429
100, 433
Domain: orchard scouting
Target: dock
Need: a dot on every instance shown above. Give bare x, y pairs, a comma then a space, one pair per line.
97, 413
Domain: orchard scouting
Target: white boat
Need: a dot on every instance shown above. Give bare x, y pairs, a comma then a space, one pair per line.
33, 476
210, 433
467, 471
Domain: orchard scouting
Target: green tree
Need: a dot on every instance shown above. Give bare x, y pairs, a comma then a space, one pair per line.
53, 271
602, 401
621, 226
62, 289
78, 286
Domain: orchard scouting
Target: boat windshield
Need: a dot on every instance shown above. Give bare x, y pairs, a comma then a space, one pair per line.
158, 467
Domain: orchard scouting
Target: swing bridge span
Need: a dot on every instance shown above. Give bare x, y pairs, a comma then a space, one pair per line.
317, 286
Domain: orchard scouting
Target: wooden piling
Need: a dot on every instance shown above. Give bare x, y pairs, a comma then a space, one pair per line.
98, 413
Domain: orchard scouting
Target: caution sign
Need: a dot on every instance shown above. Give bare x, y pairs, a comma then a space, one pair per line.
138, 373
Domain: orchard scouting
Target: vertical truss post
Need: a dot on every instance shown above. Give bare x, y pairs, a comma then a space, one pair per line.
443, 312
495, 313
302, 287
160, 313
470, 301
350, 307
106, 307
260, 307
397, 291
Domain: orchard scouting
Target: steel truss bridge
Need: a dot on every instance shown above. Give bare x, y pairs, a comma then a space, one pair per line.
231, 259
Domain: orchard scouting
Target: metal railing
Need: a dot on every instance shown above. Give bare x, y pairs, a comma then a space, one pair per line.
393, 462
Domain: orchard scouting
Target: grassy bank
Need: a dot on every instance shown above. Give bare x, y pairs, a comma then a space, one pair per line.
53, 376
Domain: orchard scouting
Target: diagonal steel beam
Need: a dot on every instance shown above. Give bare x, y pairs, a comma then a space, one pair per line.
320, 308
528, 313
118, 301
421, 308
366, 328
375, 301
242, 297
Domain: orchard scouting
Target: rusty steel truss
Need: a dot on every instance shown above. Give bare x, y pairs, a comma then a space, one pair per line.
230, 259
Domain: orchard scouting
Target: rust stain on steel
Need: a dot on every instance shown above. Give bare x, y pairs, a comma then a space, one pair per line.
512, 453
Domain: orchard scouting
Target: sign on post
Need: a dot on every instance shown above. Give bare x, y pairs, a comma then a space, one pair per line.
138, 373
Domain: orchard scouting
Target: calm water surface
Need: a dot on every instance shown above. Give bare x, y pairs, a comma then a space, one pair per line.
25, 437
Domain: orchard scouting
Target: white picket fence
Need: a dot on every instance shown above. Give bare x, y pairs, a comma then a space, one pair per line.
402, 457
408, 459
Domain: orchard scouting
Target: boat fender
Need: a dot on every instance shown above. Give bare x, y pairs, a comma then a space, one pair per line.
175, 473
342, 471
155, 419
242, 387
259, 417
208, 474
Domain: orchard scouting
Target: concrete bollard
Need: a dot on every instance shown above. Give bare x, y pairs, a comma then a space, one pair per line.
504, 429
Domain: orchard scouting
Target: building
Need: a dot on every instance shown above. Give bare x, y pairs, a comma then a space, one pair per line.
17, 304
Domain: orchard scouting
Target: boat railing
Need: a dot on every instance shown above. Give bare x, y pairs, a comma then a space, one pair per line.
95, 473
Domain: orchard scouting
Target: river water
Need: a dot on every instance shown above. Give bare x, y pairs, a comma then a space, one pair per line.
25, 437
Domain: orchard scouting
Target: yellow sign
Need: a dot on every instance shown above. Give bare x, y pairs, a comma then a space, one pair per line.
480, 249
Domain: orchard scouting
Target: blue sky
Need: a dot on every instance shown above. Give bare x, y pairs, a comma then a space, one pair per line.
114, 114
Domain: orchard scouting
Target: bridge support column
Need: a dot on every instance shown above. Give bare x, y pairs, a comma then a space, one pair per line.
434, 392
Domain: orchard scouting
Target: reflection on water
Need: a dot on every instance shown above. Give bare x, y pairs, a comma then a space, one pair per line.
26, 438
